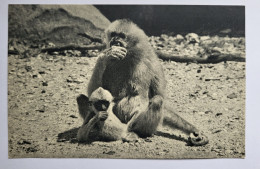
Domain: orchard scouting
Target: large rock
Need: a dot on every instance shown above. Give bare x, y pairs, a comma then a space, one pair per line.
60, 24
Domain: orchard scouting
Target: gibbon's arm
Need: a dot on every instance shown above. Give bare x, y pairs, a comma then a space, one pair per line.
158, 84
96, 78
83, 133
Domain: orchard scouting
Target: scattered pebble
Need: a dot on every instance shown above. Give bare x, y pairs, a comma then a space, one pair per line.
216, 131
44, 83
109, 152
232, 96
41, 72
192, 38
219, 114
31, 149
201, 113
21, 142
62, 140
73, 116
147, 140
28, 68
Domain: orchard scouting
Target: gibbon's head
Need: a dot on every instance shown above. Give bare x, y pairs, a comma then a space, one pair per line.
101, 99
124, 33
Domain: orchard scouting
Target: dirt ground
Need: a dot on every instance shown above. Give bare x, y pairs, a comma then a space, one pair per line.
43, 118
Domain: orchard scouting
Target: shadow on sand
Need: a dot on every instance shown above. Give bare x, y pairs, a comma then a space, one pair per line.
71, 136
174, 137
68, 136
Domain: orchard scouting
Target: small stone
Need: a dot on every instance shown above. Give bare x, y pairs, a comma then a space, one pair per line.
207, 112
147, 140
28, 68
41, 110
192, 38
160, 45
201, 113
180, 37
34, 46
232, 96
31, 149
44, 83
51, 44
21, 142
73, 116
61, 140
54, 53
216, 131
203, 38
219, 114
229, 151
41, 72
109, 153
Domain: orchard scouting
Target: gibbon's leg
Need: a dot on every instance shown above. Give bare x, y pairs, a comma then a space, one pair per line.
174, 121
145, 123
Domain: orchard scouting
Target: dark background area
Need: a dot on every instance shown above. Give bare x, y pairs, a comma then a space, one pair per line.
181, 19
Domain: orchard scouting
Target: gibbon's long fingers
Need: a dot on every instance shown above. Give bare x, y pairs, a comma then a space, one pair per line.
102, 115
119, 49
117, 52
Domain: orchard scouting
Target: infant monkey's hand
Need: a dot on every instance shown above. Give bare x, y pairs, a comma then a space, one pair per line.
116, 52
102, 115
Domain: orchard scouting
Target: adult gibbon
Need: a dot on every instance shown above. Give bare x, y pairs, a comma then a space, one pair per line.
130, 70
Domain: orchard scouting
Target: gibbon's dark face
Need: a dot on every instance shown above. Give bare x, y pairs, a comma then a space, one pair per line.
118, 39
101, 105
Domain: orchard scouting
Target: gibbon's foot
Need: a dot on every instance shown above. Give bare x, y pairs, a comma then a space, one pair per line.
198, 139
102, 115
130, 137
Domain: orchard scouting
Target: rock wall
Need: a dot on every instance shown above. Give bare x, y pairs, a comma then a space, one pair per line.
59, 24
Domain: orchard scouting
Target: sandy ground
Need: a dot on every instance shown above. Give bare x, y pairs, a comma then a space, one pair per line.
43, 118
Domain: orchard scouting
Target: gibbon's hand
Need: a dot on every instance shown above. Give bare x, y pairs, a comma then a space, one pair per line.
102, 115
116, 53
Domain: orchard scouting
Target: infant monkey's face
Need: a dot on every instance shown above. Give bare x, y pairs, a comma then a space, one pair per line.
101, 105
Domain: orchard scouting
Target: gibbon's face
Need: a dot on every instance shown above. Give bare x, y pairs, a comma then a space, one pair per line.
124, 33
101, 105
118, 39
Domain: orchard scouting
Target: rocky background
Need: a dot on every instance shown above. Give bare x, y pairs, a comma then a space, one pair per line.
52, 52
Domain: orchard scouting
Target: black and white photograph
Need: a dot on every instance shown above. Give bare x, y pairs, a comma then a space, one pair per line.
126, 81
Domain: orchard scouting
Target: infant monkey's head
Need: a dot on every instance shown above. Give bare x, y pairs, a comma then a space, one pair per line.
101, 99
